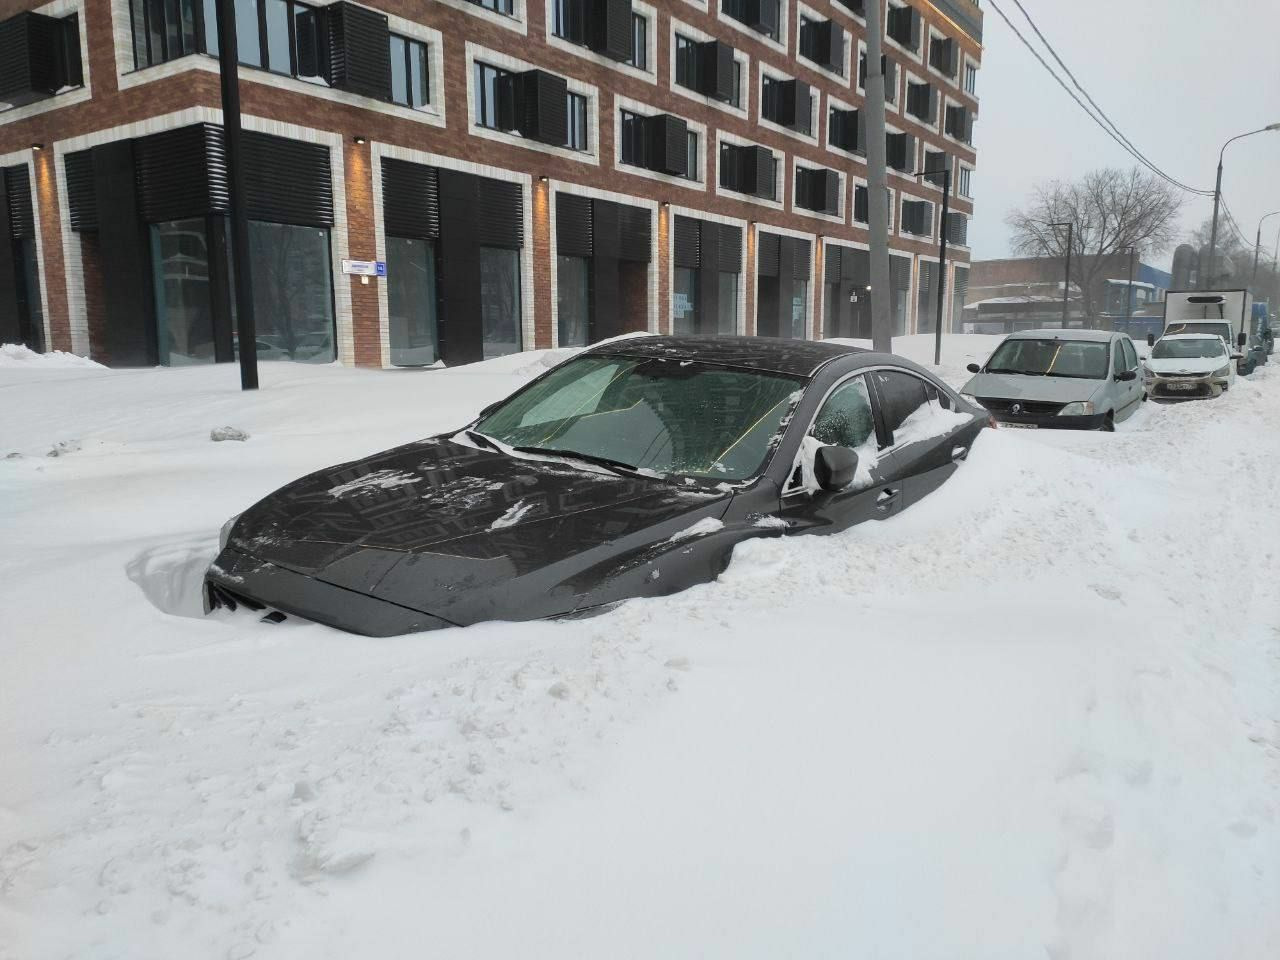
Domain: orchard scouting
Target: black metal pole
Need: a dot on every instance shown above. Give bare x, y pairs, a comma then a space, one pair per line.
942, 265
241, 277
1066, 286
1128, 296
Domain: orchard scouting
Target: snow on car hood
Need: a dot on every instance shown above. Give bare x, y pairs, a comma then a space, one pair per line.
1014, 386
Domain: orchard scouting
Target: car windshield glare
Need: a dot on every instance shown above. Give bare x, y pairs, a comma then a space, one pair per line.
1078, 359
668, 416
1187, 349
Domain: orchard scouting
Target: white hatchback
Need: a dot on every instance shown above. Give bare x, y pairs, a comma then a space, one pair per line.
1188, 366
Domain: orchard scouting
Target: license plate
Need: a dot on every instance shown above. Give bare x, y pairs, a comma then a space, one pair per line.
1181, 386
1021, 426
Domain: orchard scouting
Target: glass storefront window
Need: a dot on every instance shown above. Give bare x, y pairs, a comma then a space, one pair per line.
249, 44
684, 301
727, 307
292, 292
180, 274
411, 302
799, 309
500, 301
573, 300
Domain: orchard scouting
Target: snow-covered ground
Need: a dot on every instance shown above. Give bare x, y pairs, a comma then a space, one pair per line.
1034, 716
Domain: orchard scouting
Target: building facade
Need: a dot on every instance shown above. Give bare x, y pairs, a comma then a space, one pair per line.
532, 173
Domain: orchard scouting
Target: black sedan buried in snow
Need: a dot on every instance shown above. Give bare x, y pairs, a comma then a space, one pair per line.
630, 470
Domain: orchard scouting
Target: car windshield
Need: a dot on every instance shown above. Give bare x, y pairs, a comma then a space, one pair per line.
1217, 328
1187, 349
1080, 359
668, 416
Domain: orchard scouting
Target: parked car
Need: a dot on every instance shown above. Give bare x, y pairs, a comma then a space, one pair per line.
1189, 366
630, 470
1075, 379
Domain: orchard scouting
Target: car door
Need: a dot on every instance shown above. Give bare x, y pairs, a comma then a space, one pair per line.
1133, 391
847, 417
925, 440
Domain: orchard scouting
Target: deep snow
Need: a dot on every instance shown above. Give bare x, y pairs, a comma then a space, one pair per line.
1032, 716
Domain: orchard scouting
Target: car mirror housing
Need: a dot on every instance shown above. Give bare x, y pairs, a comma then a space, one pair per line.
1126, 376
834, 467
1151, 339
1242, 339
973, 368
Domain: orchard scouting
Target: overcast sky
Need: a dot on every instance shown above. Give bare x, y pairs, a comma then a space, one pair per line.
1177, 77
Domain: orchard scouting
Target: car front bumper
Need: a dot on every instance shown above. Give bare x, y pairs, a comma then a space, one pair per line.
1163, 390
238, 579
1051, 421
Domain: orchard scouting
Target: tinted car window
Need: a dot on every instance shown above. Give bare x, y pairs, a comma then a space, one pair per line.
1130, 355
845, 420
901, 395
1117, 358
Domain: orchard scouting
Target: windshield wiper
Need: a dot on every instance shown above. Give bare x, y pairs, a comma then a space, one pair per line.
484, 441
1016, 373
615, 465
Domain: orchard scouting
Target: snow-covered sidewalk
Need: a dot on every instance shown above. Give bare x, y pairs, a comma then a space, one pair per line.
1033, 716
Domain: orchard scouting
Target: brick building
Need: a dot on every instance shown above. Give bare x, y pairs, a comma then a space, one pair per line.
533, 173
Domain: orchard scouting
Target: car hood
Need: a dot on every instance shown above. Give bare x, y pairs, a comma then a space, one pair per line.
1193, 366
1009, 386
428, 524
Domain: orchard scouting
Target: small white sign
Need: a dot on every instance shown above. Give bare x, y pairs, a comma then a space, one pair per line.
682, 304
364, 268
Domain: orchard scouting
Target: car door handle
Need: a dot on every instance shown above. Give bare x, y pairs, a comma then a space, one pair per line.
887, 498
959, 453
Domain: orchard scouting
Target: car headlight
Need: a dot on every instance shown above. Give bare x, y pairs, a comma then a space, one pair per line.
1223, 372
225, 533
1080, 408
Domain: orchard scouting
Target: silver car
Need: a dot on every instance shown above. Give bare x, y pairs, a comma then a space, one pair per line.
1077, 379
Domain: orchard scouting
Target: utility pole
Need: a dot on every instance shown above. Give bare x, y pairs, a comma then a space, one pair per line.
945, 170
877, 184
1257, 247
241, 276
1217, 200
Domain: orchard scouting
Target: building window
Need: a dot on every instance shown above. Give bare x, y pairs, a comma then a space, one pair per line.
639, 42
736, 99
180, 276
165, 31
412, 303
763, 16
573, 301
567, 20
965, 182
292, 292
500, 301
486, 94
633, 133
686, 62
410, 76
684, 301
970, 79
578, 138
504, 7
691, 146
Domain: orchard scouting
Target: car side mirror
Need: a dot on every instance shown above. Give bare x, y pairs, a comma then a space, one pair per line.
1237, 356
973, 368
1126, 376
834, 467
1242, 339
1151, 339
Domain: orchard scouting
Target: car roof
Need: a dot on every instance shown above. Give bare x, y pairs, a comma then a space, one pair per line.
800, 358
1060, 333
1191, 336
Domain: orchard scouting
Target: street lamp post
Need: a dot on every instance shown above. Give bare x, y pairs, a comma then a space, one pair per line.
1257, 246
1066, 284
1217, 197
945, 170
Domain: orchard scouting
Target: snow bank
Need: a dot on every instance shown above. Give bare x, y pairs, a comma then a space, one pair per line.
19, 356
1033, 715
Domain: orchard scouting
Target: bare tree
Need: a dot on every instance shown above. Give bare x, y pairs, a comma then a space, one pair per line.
1110, 211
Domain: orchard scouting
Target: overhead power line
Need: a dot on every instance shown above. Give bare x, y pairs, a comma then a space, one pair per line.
1100, 118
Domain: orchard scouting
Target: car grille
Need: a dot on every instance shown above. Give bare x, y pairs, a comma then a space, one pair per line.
1031, 408
1183, 376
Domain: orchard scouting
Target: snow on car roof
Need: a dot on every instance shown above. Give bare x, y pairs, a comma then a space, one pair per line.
772, 354
1191, 336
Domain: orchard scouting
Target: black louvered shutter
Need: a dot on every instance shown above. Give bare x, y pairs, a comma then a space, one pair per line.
801, 258
310, 42
667, 150
687, 240
861, 204
574, 225
635, 234
542, 107
845, 132
957, 229
287, 181
900, 272
21, 217
831, 263
178, 175
759, 172
410, 199
359, 50
768, 254
610, 32
717, 69
829, 185
499, 212
28, 65
82, 203
730, 248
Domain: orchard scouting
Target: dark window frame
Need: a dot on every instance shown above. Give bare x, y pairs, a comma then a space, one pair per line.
639, 41
578, 135
410, 43
482, 93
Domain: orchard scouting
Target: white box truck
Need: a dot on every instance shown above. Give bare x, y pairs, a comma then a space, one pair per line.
1227, 313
